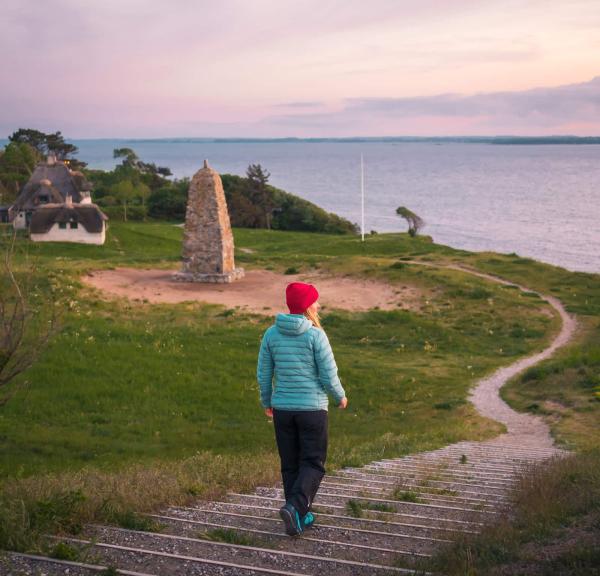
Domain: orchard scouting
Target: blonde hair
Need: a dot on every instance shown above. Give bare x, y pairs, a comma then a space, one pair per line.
313, 316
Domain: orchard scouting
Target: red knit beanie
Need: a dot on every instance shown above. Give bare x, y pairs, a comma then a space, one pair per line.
299, 296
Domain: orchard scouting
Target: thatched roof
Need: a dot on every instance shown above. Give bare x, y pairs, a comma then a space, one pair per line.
88, 215
55, 181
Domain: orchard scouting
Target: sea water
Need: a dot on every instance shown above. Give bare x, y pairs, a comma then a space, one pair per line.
540, 201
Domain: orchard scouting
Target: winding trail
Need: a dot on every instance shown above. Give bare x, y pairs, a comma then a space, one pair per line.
371, 520
525, 430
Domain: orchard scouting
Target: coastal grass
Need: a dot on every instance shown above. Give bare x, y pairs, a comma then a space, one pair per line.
565, 390
554, 527
229, 536
135, 405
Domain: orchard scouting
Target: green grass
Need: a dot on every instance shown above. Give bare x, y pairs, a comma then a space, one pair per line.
129, 388
565, 390
135, 521
133, 382
229, 536
403, 495
64, 551
356, 508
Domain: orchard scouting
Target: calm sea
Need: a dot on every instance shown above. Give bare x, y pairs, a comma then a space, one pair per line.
541, 201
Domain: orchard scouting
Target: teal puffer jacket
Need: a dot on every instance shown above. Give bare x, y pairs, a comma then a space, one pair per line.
299, 357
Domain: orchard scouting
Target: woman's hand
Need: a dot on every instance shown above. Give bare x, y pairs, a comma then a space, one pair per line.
269, 412
343, 403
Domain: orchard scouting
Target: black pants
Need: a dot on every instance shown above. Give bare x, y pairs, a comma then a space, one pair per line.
302, 443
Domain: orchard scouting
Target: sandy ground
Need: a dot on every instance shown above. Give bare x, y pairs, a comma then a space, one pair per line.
260, 291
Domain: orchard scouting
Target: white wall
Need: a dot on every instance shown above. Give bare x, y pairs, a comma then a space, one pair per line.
79, 234
19, 221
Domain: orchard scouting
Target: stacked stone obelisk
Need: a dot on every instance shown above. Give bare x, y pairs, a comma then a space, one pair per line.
207, 239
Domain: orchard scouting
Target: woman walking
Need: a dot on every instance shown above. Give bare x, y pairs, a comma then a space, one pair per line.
296, 372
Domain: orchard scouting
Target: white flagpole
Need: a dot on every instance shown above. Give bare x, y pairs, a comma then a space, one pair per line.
362, 199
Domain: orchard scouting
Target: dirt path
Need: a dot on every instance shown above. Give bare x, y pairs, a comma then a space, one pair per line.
523, 429
260, 291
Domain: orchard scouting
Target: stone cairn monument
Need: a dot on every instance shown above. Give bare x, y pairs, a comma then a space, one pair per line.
207, 239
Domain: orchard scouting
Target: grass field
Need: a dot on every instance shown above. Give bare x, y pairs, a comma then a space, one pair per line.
129, 389
129, 381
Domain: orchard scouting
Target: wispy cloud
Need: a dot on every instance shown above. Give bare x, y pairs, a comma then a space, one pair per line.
550, 110
305, 104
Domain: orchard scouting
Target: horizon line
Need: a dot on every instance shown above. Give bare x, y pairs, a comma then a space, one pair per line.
554, 137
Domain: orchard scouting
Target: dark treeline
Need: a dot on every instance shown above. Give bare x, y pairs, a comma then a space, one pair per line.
136, 190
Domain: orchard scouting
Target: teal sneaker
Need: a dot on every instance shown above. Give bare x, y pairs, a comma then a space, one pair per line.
291, 519
308, 520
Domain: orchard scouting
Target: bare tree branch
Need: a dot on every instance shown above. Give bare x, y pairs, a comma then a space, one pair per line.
26, 323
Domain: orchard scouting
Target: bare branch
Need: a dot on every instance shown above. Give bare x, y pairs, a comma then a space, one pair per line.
22, 339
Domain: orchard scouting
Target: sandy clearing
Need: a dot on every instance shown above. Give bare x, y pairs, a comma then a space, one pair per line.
260, 291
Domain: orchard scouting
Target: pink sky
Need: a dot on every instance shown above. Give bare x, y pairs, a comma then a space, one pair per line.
267, 68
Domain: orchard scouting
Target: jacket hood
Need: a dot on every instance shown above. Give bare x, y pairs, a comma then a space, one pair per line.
292, 324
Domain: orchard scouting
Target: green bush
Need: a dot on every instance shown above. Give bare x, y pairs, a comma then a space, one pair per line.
117, 213
169, 202
290, 212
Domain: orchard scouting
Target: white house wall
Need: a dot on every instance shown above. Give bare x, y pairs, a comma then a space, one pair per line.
19, 222
79, 234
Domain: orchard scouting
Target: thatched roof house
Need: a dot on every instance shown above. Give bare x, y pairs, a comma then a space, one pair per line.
51, 183
68, 222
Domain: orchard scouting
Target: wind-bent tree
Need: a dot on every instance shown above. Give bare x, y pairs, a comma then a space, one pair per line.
415, 223
132, 160
27, 321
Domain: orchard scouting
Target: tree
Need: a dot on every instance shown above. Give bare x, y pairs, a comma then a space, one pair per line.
35, 139
259, 193
169, 202
45, 144
124, 192
142, 191
136, 170
56, 145
17, 162
130, 158
26, 322
415, 223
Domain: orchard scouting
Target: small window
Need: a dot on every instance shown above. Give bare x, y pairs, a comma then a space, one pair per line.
73, 224
62, 225
43, 199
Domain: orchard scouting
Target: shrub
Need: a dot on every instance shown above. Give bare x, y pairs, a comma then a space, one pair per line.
134, 212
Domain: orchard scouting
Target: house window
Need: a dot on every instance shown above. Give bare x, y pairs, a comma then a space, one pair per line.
62, 225
43, 199
73, 225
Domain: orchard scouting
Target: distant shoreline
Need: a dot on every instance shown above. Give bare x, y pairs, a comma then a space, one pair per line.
498, 140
